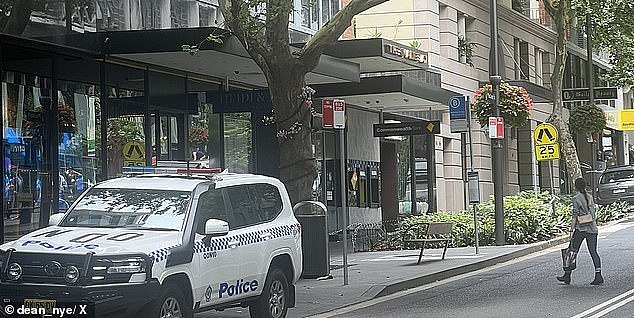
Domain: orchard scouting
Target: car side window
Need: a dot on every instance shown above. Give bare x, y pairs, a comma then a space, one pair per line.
211, 205
244, 210
268, 199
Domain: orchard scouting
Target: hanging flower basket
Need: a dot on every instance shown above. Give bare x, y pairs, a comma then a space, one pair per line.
587, 119
515, 105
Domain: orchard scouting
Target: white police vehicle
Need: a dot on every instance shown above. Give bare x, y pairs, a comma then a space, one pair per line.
162, 246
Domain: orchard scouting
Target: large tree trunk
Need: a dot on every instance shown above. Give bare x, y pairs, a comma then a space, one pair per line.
297, 162
561, 16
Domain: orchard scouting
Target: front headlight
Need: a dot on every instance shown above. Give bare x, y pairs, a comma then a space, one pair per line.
120, 268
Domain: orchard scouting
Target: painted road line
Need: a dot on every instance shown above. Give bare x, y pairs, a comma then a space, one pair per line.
613, 307
607, 303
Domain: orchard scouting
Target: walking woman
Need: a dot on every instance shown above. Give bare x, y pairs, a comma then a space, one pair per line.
585, 227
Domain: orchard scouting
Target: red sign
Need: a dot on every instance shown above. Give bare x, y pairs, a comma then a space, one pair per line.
339, 117
327, 113
496, 127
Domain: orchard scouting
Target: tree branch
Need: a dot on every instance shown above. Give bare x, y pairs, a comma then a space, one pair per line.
277, 19
330, 32
236, 13
550, 8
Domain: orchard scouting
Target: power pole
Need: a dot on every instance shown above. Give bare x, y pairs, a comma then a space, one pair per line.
496, 144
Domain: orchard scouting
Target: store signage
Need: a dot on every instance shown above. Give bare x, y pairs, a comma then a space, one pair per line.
577, 94
406, 53
241, 101
622, 119
545, 138
496, 127
407, 129
327, 113
339, 114
458, 114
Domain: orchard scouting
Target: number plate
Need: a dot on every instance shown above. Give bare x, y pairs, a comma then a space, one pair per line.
40, 303
618, 191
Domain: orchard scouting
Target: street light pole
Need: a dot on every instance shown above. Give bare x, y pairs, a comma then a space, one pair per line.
496, 144
590, 74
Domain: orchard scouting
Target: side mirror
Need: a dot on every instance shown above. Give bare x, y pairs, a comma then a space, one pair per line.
215, 227
55, 218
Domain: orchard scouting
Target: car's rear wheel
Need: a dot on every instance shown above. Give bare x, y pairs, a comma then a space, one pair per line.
273, 302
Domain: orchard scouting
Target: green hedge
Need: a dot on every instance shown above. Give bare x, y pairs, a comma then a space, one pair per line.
528, 217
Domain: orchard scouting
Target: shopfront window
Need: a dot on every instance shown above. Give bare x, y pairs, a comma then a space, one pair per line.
238, 141
23, 97
78, 130
126, 143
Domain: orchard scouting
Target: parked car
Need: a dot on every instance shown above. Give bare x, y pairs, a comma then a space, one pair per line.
616, 184
162, 246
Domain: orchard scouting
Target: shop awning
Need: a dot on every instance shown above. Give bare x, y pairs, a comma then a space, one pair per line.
229, 60
393, 93
539, 93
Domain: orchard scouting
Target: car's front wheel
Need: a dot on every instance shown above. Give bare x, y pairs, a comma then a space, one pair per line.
170, 304
273, 302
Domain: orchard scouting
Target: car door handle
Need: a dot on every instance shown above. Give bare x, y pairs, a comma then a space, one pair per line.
265, 235
233, 244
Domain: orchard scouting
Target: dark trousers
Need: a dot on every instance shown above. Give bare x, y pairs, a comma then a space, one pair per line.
591, 242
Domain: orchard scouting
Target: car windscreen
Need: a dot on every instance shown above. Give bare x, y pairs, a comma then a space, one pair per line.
130, 208
617, 176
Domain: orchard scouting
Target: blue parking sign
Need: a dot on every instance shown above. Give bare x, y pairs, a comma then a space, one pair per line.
458, 114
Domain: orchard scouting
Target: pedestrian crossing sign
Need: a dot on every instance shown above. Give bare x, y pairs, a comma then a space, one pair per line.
545, 141
133, 154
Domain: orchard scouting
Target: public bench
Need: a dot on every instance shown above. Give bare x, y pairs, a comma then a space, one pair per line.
428, 232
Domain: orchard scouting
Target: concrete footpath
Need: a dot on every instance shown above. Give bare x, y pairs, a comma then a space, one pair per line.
376, 274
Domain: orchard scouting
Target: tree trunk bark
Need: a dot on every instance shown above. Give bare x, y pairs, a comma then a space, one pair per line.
568, 148
297, 162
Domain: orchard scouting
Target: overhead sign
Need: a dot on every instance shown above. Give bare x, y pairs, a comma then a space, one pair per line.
577, 94
496, 127
546, 147
545, 134
407, 129
133, 154
339, 114
458, 114
327, 113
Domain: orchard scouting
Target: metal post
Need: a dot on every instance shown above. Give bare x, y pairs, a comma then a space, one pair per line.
552, 178
534, 163
496, 144
54, 145
103, 120
412, 172
475, 206
147, 117
590, 74
344, 205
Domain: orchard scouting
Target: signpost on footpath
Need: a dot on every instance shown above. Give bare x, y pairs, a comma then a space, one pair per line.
334, 116
546, 147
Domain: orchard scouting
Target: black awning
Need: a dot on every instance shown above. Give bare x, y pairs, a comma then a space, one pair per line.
390, 93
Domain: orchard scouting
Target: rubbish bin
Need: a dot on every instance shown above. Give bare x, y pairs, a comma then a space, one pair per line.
312, 217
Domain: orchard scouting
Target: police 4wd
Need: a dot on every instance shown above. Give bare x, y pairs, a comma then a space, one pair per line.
162, 246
